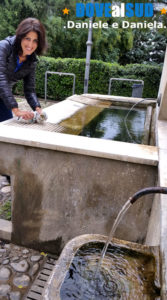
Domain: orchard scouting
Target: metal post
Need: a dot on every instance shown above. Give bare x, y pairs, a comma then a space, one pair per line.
88, 54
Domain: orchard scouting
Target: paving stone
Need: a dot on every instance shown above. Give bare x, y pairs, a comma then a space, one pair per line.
15, 296
6, 189
15, 258
25, 251
7, 246
4, 183
21, 266
16, 248
6, 261
2, 251
35, 258
34, 269
22, 281
4, 289
26, 262
4, 273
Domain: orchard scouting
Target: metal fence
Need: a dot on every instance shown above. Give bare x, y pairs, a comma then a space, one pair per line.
137, 89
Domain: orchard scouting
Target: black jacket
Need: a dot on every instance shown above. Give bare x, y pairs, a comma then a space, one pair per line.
8, 76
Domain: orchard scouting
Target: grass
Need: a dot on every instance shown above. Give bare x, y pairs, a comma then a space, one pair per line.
5, 210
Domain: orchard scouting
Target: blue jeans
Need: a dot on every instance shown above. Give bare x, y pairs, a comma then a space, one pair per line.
5, 113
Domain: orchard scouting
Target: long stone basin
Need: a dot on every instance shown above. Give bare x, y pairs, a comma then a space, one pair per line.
141, 261
65, 185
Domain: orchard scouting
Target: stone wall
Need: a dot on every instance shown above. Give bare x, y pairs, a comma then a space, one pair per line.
58, 195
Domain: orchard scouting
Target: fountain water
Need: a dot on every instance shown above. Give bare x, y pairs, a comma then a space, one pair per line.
131, 200
116, 273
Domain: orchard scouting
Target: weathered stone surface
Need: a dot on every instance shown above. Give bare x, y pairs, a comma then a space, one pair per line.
15, 296
124, 171
21, 266
35, 258
22, 281
4, 273
4, 289
34, 269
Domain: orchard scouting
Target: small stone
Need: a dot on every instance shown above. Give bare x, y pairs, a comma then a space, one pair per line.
7, 246
36, 258
15, 296
15, 258
23, 281
2, 251
21, 266
4, 183
16, 248
4, 289
6, 189
4, 273
34, 269
25, 256
25, 251
6, 261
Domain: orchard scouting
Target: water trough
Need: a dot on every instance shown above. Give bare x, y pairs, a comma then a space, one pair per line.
64, 185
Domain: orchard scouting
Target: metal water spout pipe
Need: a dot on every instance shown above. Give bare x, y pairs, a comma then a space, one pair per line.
129, 202
146, 191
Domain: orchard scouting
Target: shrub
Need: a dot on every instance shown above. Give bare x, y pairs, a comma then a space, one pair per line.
60, 87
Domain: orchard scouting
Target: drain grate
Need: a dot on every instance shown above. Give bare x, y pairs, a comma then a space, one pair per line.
46, 126
38, 286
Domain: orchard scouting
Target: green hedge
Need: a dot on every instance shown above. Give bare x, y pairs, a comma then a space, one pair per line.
60, 87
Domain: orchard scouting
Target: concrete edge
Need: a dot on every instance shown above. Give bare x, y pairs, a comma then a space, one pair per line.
116, 150
5, 230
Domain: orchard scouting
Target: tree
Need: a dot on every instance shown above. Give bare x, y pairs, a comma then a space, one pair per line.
148, 47
110, 45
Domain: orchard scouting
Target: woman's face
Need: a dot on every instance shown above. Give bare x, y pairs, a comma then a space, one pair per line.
29, 43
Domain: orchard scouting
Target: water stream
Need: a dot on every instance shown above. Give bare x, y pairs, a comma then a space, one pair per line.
111, 234
113, 273
104, 272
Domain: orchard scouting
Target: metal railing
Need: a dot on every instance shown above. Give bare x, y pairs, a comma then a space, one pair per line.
61, 74
123, 79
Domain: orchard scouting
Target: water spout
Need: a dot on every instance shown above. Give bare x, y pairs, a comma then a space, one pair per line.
129, 202
146, 191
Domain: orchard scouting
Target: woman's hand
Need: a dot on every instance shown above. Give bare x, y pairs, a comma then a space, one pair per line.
39, 110
26, 115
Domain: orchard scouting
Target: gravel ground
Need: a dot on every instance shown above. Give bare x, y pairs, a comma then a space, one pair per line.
25, 106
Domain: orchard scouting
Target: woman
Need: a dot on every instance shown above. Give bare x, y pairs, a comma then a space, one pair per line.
18, 61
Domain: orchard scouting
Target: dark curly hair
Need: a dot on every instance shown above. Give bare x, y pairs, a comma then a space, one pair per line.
27, 25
